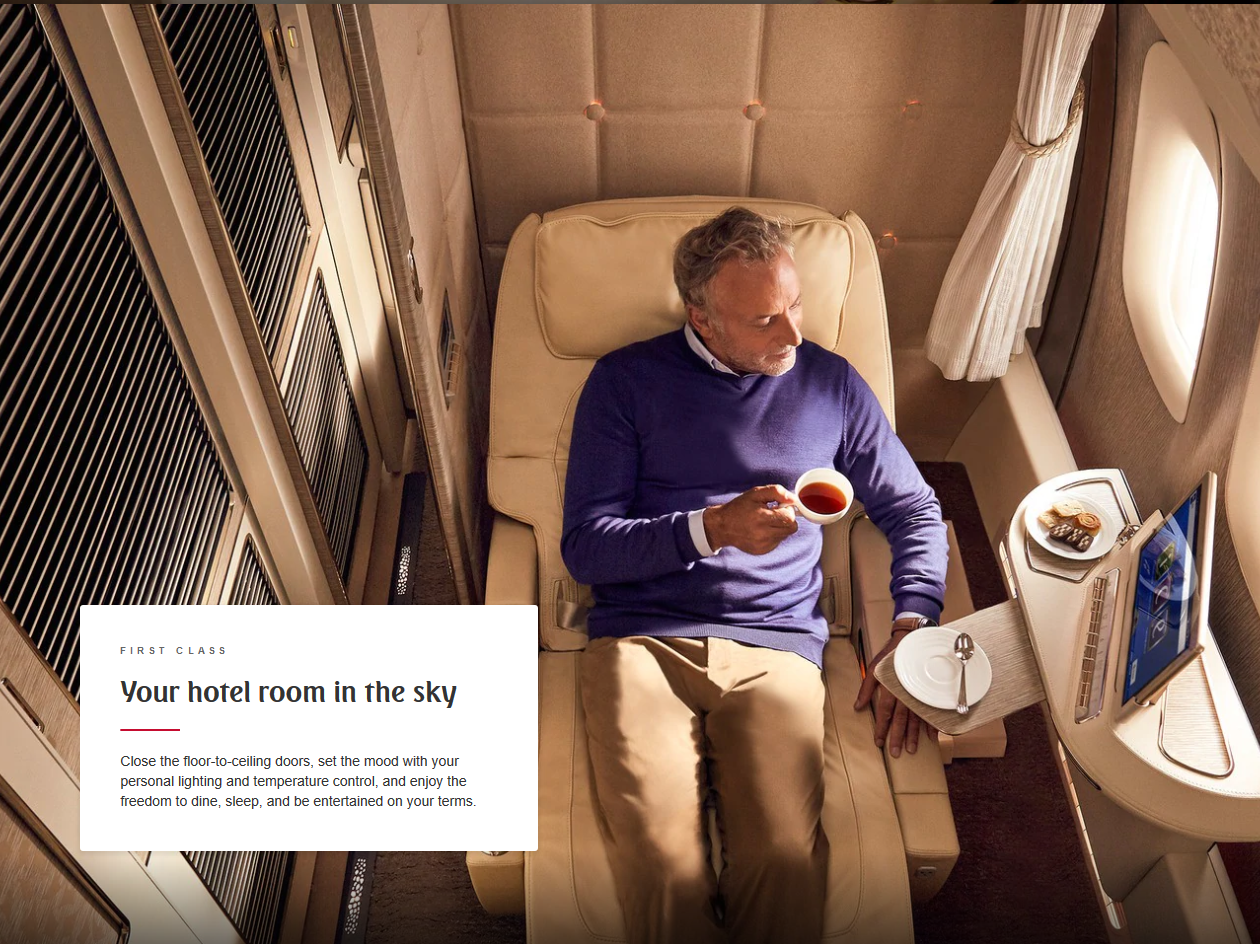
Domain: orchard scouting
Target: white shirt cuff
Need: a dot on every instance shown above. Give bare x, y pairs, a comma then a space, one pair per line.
907, 613
695, 524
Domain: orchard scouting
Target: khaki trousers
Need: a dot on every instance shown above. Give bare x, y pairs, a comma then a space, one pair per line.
666, 720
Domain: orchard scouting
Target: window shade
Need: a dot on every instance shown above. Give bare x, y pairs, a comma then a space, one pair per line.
249, 887
110, 487
222, 67
326, 426
252, 586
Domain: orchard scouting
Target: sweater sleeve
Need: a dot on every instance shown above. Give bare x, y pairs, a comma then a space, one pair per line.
601, 542
902, 505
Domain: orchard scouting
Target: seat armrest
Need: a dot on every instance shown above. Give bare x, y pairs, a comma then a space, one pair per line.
921, 796
918, 787
498, 878
870, 562
512, 571
917, 780
926, 817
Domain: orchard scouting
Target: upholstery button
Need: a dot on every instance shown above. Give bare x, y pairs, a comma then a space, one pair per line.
754, 111
886, 242
594, 111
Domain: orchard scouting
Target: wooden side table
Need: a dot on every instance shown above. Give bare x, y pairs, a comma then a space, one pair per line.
1001, 633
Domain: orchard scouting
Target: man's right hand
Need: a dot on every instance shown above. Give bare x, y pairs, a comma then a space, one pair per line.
749, 523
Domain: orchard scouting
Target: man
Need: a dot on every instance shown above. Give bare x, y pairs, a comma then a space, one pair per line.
706, 639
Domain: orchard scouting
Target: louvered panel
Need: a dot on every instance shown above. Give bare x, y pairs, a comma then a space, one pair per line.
110, 487
252, 586
249, 887
221, 62
326, 427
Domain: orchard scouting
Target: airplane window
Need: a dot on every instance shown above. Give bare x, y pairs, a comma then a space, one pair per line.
1171, 225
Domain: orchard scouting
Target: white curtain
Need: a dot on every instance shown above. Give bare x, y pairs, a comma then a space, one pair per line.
996, 282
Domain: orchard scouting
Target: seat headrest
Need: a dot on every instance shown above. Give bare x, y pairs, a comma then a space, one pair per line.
603, 283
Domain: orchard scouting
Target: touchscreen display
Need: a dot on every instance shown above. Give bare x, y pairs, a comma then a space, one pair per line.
1164, 602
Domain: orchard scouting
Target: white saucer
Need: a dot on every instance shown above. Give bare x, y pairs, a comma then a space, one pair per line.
1040, 501
926, 665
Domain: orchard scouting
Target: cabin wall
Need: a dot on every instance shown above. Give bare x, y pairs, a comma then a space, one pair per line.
1110, 409
414, 54
896, 113
1233, 30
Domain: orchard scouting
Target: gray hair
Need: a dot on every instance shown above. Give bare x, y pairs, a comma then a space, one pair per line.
739, 233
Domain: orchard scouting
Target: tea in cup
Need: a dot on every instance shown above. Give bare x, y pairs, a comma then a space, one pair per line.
823, 495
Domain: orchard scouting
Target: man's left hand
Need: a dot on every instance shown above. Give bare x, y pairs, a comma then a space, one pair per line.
894, 722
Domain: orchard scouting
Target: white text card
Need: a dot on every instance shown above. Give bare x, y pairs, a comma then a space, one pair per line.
309, 727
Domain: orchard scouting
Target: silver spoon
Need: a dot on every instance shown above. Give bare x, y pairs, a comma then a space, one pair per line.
964, 648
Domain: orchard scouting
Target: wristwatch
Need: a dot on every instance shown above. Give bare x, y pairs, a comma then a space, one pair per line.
907, 623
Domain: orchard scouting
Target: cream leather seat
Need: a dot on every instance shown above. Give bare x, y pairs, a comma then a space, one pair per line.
578, 283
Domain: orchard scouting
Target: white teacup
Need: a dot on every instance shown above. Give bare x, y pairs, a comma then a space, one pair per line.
835, 488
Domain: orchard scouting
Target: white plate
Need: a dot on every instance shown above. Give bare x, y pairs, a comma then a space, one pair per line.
926, 665
1041, 501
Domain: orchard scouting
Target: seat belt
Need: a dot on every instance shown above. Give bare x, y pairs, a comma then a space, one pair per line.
571, 606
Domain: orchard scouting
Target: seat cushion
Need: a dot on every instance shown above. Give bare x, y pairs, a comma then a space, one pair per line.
569, 885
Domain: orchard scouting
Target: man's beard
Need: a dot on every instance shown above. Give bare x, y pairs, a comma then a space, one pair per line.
774, 367
767, 364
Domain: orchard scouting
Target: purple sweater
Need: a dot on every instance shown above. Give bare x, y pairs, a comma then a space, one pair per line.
659, 433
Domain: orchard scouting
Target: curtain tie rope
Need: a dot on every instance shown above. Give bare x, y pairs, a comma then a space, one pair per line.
1041, 150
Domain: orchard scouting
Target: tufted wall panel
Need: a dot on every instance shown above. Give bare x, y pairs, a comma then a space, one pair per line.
1233, 30
838, 129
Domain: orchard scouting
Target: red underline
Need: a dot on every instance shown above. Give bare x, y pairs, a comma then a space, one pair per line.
148, 729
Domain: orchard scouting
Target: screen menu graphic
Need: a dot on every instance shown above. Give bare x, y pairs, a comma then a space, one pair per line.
1163, 604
